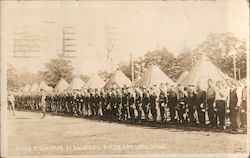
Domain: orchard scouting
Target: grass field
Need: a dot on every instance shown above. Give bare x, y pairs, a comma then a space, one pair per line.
58, 135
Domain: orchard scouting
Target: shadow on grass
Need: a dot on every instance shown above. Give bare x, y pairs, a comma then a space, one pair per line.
171, 127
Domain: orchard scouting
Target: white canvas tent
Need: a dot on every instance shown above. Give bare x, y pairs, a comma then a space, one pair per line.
26, 88
95, 81
153, 76
118, 79
76, 84
34, 87
202, 71
61, 85
43, 86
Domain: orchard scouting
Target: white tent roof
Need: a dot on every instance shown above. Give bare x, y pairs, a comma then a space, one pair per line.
34, 87
202, 71
153, 76
61, 85
118, 79
76, 84
95, 82
26, 88
44, 86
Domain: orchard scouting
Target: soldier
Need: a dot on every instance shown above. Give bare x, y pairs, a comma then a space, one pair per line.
163, 99
47, 100
146, 103
107, 108
234, 107
210, 99
92, 102
43, 102
119, 104
191, 102
102, 102
201, 105
125, 108
181, 103
138, 103
153, 99
87, 102
81, 102
131, 103
172, 103
78, 102
221, 97
97, 102
243, 106
11, 104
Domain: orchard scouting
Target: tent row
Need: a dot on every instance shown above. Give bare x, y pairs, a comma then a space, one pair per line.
154, 76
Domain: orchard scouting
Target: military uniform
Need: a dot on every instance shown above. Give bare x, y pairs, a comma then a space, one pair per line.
191, 102
163, 99
172, 103
138, 103
153, 99
181, 106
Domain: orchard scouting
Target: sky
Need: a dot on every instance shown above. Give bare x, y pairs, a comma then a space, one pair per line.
137, 27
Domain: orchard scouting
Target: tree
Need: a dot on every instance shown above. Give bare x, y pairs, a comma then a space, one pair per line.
219, 48
163, 58
55, 70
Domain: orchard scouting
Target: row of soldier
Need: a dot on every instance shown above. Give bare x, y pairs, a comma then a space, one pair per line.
167, 103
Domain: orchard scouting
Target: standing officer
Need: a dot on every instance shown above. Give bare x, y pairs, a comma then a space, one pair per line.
138, 104
131, 103
181, 103
221, 97
163, 99
172, 103
201, 105
124, 104
11, 104
153, 98
243, 111
191, 101
145, 103
234, 107
43, 102
211, 93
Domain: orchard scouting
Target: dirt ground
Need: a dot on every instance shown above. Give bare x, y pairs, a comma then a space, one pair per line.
60, 135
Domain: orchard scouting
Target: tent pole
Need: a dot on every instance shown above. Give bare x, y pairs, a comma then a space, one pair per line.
132, 69
234, 62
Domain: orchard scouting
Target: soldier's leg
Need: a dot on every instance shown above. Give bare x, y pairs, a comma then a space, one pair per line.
191, 114
201, 116
162, 111
153, 112
220, 112
145, 110
180, 113
232, 116
172, 112
243, 114
211, 114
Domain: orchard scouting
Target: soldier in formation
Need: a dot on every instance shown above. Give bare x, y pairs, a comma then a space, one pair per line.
189, 105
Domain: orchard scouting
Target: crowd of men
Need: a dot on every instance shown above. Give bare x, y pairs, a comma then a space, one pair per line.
165, 103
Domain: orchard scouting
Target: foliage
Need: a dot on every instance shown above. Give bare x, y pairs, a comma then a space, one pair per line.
55, 70
218, 47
